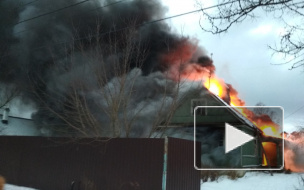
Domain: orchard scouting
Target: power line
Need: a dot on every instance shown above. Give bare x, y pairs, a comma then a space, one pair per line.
295, 111
138, 25
57, 10
107, 5
121, 29
23, 5
110, 4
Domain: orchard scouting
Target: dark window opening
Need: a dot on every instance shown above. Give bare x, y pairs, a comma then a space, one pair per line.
199, 111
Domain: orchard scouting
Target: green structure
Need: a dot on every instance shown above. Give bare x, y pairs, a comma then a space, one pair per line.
249, 155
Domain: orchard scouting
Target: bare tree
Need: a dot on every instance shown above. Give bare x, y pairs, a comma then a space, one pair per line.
8, 91
227, 13
261, 109
106, 96
7, 94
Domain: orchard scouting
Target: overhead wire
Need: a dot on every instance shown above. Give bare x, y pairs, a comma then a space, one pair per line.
138, 25
294, 111
57, 10
116, 30
51, 12
107, 5
25, 4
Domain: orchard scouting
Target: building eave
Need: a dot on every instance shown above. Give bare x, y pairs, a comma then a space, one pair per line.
237, 114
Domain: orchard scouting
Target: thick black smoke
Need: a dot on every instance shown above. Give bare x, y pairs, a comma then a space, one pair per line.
97, 70
67, 55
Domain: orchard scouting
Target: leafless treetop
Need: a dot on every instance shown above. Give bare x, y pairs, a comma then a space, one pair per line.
228, 13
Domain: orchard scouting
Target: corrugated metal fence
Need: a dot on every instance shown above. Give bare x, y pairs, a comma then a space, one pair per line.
90, 164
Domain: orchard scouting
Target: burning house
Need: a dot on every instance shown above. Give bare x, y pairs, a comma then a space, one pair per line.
76, 75
263, 152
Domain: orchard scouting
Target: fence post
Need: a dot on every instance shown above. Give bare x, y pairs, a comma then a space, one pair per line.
165, 164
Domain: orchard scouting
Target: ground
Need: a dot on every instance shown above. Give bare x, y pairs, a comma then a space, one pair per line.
258, 180
13, 187
251, 181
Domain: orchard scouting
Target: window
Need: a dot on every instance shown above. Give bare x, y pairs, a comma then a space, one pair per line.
198, 102
250, 148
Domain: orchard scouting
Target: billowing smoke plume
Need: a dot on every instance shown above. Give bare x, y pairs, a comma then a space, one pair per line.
76, 63
99, 68
294, 152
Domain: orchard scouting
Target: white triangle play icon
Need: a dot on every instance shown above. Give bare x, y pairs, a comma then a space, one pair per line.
235, 138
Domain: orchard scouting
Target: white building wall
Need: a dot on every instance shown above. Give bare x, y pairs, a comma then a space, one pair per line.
18, 126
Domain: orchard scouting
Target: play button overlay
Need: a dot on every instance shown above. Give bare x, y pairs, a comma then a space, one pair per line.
235, 138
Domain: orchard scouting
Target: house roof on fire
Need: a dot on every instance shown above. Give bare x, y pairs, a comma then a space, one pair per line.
235, 112
184, 116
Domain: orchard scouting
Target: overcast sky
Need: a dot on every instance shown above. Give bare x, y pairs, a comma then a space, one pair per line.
243, 59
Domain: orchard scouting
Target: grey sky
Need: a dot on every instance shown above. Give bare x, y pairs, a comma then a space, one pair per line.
243, 59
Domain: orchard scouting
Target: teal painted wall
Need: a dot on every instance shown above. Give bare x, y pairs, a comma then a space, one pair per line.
250, 153
184, 114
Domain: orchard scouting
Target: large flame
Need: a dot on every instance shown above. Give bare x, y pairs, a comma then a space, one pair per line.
180, 65
263, 122
270, 150
215, 86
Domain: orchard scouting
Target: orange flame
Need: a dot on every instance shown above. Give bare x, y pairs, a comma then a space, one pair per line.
215, 86
218, 87
263, 122
179, 64
270, 131
271, 153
